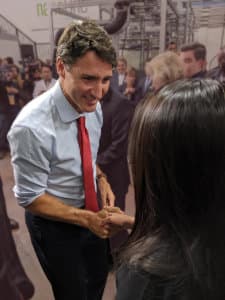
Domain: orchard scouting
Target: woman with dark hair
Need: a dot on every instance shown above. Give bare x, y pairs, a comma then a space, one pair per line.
176, 250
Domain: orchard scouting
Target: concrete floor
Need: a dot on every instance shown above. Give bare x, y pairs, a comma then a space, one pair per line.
23, 244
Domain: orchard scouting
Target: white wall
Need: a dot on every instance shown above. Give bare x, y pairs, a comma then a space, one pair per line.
32, 16
10, 48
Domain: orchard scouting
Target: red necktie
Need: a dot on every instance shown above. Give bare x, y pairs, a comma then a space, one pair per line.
91, 202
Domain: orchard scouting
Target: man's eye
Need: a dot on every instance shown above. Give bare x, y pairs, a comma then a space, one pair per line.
106, 80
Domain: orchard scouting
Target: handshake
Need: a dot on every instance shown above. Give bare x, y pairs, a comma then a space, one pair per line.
110, 220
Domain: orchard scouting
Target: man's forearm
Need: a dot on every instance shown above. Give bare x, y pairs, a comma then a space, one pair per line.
51, 207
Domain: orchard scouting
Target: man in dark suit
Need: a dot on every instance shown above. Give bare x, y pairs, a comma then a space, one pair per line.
112, 154
118, 79
143, 85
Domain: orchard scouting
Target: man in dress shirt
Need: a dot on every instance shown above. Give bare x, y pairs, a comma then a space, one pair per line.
68, 239
45, 83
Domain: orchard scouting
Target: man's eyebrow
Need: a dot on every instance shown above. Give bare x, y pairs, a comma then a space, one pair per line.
108, 77
88, 76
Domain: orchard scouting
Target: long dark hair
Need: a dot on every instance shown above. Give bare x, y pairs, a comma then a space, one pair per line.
177, 160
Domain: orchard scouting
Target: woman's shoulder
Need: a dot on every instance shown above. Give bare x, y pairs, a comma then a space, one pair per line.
136, 284
130, 283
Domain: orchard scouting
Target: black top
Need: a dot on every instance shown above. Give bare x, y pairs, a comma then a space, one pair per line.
139, 285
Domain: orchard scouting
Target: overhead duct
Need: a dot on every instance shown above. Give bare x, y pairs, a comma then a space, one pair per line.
121, 16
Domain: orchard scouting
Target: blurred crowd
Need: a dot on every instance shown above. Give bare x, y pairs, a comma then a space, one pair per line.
19, 83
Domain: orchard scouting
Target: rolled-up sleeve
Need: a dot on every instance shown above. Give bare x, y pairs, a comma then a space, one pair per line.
31, 156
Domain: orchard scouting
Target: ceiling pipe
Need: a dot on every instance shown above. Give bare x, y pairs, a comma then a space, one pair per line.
121, 16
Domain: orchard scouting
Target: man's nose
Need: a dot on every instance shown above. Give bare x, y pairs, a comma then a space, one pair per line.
99, 91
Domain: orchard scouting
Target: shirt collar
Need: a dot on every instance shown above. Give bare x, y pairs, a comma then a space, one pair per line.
66, 111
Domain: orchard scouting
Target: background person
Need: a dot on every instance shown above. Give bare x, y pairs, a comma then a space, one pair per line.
164, 69
14, 283
129, 87
193, 59
218, 73
143, 84
119, 74
45, 83
112, 154
172, 46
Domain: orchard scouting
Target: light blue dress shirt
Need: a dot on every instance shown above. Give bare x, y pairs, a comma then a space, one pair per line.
45, 151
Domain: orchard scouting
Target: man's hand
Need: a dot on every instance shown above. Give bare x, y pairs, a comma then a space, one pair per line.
95, 224
107, 196
107, 223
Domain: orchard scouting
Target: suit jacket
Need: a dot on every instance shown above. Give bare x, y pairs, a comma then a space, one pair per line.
14, 284
112, 154
141, 90
114, 82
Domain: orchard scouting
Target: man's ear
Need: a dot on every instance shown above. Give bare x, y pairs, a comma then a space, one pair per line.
60, 67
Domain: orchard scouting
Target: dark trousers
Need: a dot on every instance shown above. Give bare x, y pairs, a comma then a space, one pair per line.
121, 237
73, 258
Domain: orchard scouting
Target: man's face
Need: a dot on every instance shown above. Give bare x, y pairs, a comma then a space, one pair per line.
130, 79
36, 74
14, 72
46, 74
121, 67
9, 75
86, 82
190, 65
172, 47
